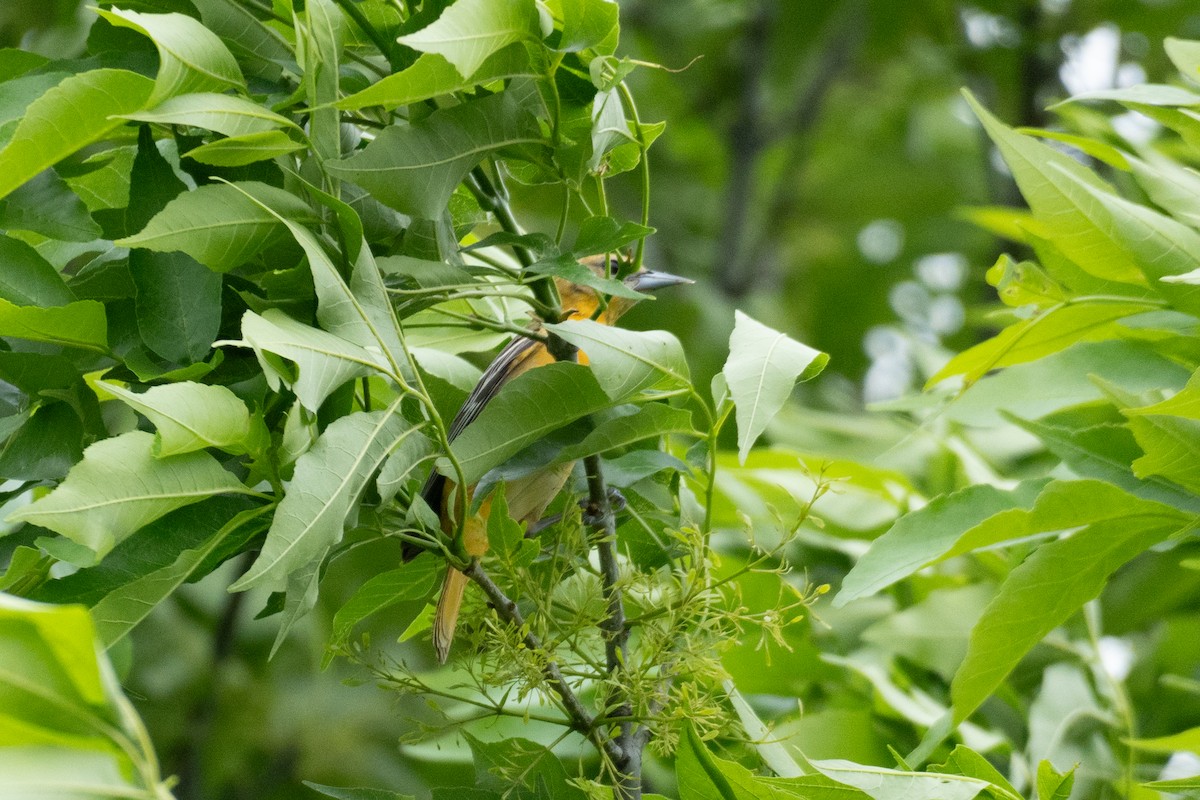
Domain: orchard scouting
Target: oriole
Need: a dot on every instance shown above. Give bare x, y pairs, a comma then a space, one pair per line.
529, 496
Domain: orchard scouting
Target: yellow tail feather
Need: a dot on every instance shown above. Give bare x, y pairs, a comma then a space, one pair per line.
446, 617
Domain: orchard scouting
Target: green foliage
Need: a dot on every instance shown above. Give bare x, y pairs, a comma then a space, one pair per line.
242, 302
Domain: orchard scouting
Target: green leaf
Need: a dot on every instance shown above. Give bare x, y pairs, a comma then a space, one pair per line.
627, 362
327, 483
589, 24
1064, 206
253, 42
79, 324
1185, 55
1175, 785
965, 761
402, 463
432, 76
889, 784
512, 764
606, 235
1054, 785
45, 204
45, 447
28, 279
178, 300
1185, 403
1046, 589
470, 31
526, 409
1049, 332
126, 606
220, 225
414, 168
650, 421
191, 57
1164, 250
762, 368
319, 34
119, 486
238, 151
80, 110
323, 362
154, 548
360, 311
190, 416
223, 113
506, 536
66, 725
927, 535
567, 267
411, 582
1185, 741
1106, 452
356, 793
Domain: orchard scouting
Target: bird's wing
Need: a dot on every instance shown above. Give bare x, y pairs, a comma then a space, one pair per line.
495, 376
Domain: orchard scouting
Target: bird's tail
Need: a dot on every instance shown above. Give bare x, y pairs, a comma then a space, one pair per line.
446, 617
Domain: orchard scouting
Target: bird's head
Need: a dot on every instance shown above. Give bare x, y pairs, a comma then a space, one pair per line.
581, 301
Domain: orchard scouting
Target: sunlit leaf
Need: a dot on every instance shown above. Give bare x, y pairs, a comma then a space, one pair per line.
191, 57
223, 113
219, 225
82, 109
238, 151
431, 76
528, 407
762, 368
323, 361
471, 30
627, 362
1043, 591
120, 486
190, 416
328, 481
78, 324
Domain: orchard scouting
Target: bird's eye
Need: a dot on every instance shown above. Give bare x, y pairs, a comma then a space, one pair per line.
614, 266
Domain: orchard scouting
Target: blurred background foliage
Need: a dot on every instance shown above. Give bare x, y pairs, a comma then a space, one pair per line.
818, 169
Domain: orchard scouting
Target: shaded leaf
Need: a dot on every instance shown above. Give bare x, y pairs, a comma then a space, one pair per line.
45, 204
414, 168
27, 279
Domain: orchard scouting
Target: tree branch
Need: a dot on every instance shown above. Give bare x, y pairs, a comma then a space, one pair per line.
602, 521
580, 719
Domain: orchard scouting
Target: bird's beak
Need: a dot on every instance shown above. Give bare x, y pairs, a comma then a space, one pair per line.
648, 280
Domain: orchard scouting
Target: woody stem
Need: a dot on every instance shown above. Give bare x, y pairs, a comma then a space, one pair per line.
603, 523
